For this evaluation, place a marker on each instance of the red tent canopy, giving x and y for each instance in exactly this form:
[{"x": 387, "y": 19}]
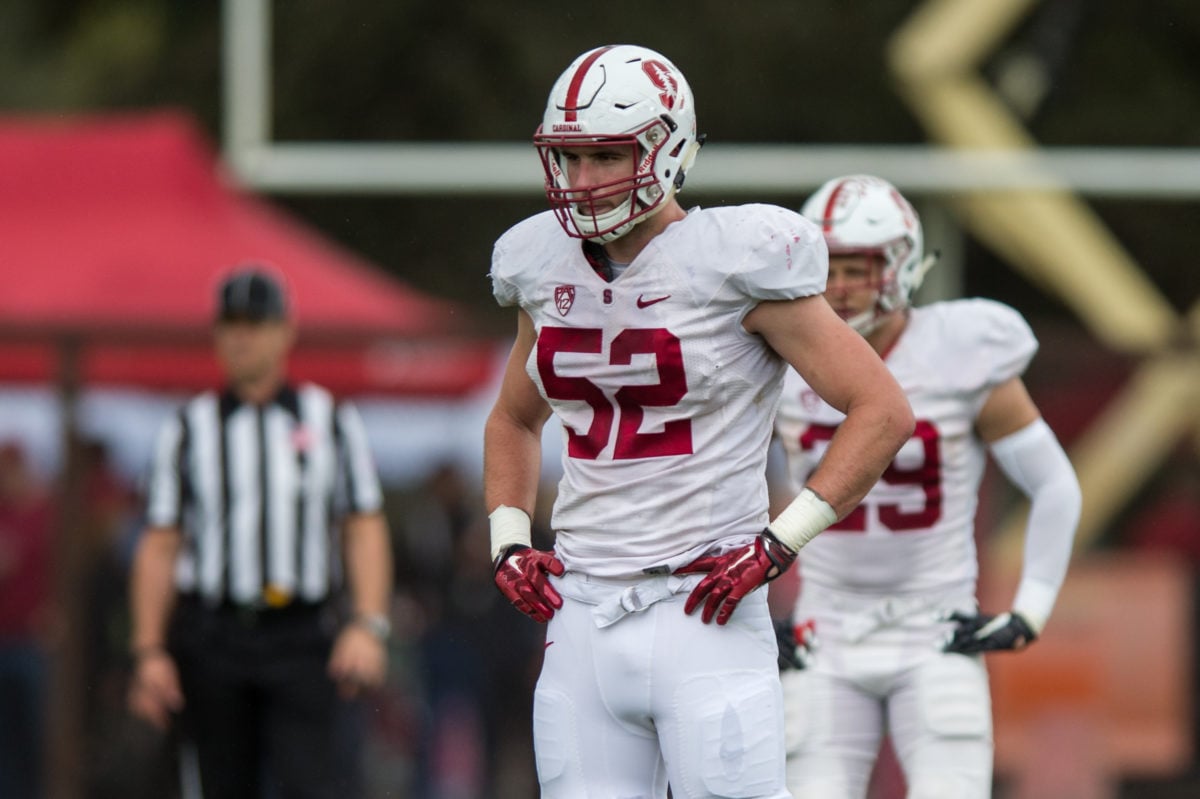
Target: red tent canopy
[{"x": 114, "y": 232}]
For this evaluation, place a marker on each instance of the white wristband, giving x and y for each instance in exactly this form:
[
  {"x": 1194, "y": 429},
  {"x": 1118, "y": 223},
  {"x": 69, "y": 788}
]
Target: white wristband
[
  {"x": 1034, "y": 601},
  {"x": 509, "y": 526},
  {"x": 802, "y": 520}
]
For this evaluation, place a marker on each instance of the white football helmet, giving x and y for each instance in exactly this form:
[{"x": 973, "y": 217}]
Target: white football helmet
[
  {"x": 866, "y": 215},
  {"x": 618, "y": 95}
]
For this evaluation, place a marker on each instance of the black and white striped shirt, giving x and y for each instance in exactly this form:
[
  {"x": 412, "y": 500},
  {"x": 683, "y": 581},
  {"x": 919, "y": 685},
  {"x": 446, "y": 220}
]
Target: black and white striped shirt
[{"x": 258, "y": 492}]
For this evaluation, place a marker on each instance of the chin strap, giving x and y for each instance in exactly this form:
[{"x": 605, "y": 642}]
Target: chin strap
[
  {"x": 923, "y": 268},
  {"x": 686, "y": 162}
]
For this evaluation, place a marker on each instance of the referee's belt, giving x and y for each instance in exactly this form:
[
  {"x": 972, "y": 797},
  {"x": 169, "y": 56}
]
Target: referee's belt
[{"x": 254, "y": 613}]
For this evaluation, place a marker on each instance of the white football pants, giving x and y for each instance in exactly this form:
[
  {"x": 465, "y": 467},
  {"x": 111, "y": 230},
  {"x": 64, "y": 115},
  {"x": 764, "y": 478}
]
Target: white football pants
[
  {"x": 634, "y": 694},
  {"x": 878, "y": 667}
]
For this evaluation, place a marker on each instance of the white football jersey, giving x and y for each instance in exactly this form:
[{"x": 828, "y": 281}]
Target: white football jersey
[
  {"x": 914, "y": 531},
  {"x": 666, "y": 400}
]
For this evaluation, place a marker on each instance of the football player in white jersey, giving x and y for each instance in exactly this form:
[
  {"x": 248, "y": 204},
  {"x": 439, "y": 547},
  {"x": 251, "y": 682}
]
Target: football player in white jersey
[
  {"x": 659, "y": 337},
  {"x": 888, "y": 592}
]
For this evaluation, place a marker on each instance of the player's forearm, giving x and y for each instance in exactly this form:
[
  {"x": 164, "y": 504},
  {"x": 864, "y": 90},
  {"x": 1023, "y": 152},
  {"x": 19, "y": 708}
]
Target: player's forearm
[
  {"x": 1035, "y": 462},
  {"x": 369, "y": 563},
  {"x": 152, "y": 589},
  {"x": 1050, "y": 532},
  {"x": 512, "y": 462},
  {"x": 865, "y": 443}
]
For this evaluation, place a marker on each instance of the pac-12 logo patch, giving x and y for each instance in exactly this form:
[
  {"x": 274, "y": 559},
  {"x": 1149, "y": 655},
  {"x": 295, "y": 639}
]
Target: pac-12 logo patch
[{"x": 564, "y": 298}]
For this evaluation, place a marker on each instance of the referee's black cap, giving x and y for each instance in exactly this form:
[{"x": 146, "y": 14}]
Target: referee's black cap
[{"x": 252, "y": 294}]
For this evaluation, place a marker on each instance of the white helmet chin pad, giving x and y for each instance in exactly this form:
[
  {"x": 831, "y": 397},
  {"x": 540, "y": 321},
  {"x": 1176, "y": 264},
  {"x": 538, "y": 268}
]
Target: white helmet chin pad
[
  {"x": 603, "y": 227},
  {"x": 618, "y": 96},
  {"x": 865, "y": 323},
  {"x": 610, "y": 225}
]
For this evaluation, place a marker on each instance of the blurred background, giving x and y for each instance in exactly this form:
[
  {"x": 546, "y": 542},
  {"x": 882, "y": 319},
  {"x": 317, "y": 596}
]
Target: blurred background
[{"x": 374, "y": 151}]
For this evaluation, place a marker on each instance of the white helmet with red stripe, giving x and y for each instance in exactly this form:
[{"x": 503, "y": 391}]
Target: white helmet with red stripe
[
  {"x": 613, "y": 96},
  {"x": 866, "y": 215}
]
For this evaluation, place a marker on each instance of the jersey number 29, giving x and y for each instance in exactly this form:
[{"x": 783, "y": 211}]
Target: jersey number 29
[{"x": 927, "y": 475}]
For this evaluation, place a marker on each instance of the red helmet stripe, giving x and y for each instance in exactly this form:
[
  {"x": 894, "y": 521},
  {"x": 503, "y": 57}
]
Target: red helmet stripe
[
  {"x": 577, "y": 81},
  {"x": 827, "y": 214}
]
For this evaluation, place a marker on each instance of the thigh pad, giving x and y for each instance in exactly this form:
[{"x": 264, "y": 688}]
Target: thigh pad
[{"x": 730, "y": 728}]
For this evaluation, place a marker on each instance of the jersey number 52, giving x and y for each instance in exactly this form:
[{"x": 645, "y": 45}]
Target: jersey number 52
[{"x": 627, "y": 406}]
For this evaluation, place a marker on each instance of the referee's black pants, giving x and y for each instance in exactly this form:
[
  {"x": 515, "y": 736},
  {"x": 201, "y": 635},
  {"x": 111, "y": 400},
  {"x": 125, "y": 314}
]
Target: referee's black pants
[{"x": 261, "y": 711}]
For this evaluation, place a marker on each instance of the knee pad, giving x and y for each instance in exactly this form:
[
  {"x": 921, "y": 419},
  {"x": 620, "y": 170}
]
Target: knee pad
[
  {"x": 954, "y": 757},
  {"x": 730, "y": 728},
  {"x": 948, "y": 786}
]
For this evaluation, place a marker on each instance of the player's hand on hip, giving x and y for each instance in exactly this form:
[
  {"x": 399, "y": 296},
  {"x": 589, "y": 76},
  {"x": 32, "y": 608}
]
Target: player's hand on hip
[
  {"x": 796, "y": 642},
  {"x": 734, "y": 574},
  {"x": 981, "y": 632},
  {"x": 523, "y": 575}
]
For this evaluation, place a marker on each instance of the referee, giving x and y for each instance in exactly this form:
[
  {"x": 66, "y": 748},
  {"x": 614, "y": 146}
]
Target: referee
[{"x": 260, "y": 588}]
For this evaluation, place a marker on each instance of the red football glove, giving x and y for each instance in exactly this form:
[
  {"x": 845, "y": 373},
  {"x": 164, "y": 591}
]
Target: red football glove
[
  {"x": 521, "y": 575},
  {"x": 734, "y": 574}
]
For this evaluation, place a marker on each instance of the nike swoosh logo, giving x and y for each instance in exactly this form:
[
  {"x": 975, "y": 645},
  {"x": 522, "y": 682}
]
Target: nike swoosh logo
[{"x": 647, "y": 303}]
